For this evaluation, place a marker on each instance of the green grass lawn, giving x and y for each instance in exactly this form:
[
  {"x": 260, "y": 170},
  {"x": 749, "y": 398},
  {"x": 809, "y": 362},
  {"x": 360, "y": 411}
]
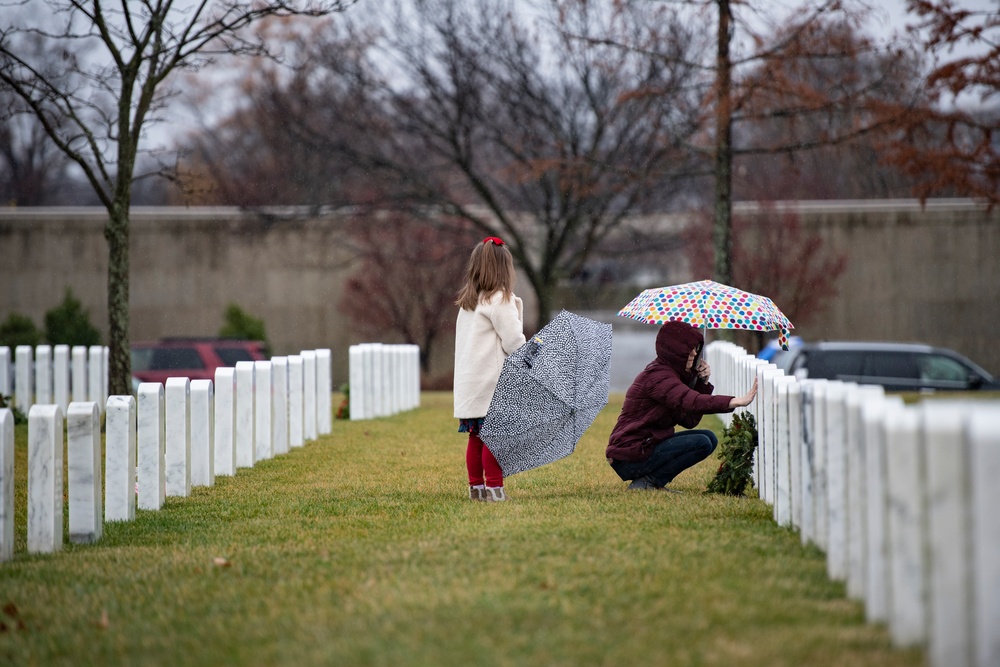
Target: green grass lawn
[{"x": 362, "y": 549}]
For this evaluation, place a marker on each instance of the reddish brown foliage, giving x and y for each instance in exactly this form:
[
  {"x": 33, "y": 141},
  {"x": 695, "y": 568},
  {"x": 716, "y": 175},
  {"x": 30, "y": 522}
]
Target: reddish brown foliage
[
  {"x": 952, "y": 148},
  {"x": 406, "y": 281},
  {"x": 774, "y": 256}
]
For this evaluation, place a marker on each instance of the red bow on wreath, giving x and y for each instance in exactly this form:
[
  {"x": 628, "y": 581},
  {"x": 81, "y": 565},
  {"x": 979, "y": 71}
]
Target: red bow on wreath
[{"x": 496, "y": 240}]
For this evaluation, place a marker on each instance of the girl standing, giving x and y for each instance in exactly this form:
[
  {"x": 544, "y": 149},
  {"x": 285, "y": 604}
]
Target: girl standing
[{"x": 490, "y": 327}]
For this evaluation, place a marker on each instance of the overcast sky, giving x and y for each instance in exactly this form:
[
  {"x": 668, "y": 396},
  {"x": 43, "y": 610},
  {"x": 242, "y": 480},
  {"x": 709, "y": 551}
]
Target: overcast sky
[{"x": 887, "y": 18}]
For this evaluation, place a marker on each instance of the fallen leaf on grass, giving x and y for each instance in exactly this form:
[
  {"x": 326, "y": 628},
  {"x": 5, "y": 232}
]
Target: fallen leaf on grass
[
  {"x": 103, "y": 622},
  {"x": 221, "y": 562}
]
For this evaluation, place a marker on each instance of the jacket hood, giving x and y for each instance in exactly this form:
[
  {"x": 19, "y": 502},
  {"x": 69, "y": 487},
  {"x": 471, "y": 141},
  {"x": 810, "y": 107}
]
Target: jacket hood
[{"x": 674, "y": 343}]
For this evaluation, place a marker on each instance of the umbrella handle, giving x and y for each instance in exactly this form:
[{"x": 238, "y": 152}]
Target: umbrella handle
[
  {"x": 694, "y": 369},
  {"x": 697, "y": 359},
  {"x": 534, "y": 347}
]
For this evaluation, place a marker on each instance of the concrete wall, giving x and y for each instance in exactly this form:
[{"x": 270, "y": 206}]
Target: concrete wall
[
  {"x": 187, "y": 265},
  {"x": 923, "y": 274}
]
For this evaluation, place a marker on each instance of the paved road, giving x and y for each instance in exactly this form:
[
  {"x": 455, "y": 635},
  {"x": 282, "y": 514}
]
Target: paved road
[{"x": 630, "y": 352}]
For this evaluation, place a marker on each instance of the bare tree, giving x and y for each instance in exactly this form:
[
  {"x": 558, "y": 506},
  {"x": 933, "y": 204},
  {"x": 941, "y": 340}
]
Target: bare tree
[
  {"x": 742, "y": 47},
  {"x": 950, "y": 144},
  {"x": 31, "y": 167},
  {"x": 776, "y": 257},
  {"x": 110, "y": 84},
  {"x": 465, "y": 110},
  {"x": 408, "y": 277},
  {"x": 797, "y": 79},
  {"x": 811, "y": 127}
]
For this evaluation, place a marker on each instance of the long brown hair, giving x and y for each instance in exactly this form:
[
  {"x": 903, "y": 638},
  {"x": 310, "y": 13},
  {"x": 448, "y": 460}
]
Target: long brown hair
[{"x": 490, "y": 268}]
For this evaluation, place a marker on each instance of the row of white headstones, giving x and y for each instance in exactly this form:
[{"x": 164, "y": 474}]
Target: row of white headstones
[
  {"x": 903, "y": 499},
  {"x": 159, "y": 443},
  {"x": 384, "y": 379},
  {"x": 56, "y": 374}
]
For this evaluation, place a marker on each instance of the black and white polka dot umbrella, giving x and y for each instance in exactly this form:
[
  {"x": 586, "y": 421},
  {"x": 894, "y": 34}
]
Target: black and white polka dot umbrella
[{"x": 550, "y": 391}]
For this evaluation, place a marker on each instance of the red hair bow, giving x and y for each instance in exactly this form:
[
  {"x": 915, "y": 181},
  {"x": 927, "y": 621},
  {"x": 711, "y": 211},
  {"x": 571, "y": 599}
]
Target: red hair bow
[{"x": 496, "y": 240}]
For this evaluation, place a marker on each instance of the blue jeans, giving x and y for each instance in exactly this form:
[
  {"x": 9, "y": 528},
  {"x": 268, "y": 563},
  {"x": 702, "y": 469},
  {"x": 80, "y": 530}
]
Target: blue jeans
[{"x": 671, "y": 457}]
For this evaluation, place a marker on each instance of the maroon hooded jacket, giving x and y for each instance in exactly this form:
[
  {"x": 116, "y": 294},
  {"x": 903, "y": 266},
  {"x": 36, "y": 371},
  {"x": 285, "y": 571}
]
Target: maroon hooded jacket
[{"x": 660, "y": 399}]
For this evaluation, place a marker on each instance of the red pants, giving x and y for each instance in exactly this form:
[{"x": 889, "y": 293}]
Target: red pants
[{"x": 479, "y": 460}]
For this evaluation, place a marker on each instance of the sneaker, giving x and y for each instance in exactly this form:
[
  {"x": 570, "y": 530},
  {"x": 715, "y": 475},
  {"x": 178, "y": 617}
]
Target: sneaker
[
  {"x": 494, "y": 494},
  {"x": 647, "y": 483},
  {"x": 477, "y": 494}
]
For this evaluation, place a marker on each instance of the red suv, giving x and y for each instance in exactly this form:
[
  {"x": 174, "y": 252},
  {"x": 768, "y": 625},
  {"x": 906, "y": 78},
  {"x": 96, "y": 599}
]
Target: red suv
[{"x": 194, "y": 358}]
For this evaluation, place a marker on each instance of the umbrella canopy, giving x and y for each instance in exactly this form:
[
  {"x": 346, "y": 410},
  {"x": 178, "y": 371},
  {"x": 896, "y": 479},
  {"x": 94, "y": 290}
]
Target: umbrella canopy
[
  {"x": 708, "y": 305},
  {"x": 549, "y": 392}
]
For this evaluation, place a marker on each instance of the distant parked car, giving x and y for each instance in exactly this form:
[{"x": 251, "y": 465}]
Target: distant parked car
[
  {"x": 772, "y": 351},
  {"x": 194, "y": 358},
  {"x": 895, "y": 366}
]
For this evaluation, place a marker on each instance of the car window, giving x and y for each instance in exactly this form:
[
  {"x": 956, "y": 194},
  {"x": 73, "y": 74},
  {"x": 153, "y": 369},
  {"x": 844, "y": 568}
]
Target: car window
[
  {"x": 175, "y": 358},
  {"x": 891, "y": 365},
  {"x": 834, "y": 364},
  {"x": 141, "y": 359},
  {"x": 230, "y": 355},
  {"x": 940, "y": 367}
]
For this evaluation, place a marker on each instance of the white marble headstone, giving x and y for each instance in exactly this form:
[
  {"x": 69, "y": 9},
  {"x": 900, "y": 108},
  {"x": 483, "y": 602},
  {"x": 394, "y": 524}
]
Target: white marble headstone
[
  {"x": 45, "y": 479},
  {"x": 874, "y": 416},
  {"x": 984, "y": 454},
  {"x": 60, "y": 376},
  {"x": 177, "y": 424},
  {"x": 356, "y": 379},
  {"x": 43, "y": 374},
  {"x": 263, "y": 377},
  {"x": 120, "y": 459},
  {"x": 807, "y": 454},
  {"x": 857, "y": 488},
  {"x": 83, "y": 463},
  {"x": 5, "y": 368},
  {"x": 6, "y": 484},
  {"x": 225, "y": 421},
  {"x": 279, "y": 366},
  {"x": 245, "y": 418},
  {"x": 296, "y": 421},
  {"x": 24, "y": 377},
  {"x": 309, "y": 395},
  {"x": 836, "y": 480},
  {"x": 948, "y": 532},
  {"x": 372, "y": 384},
  {"x": 150, "y": 472},
  {"x": 907, "y": 520},
  {"x": 78, "y": 376},
  {"x": 105, "y": 377},
  {"x": 819, "y": 472},
  {"x": 415, "y": 367},
  {"x": 95, "y": 374},
  {"x": 782, "y": 476},
  {"x": 202, "y": 433},
  {"x": 324, "y": 391},
  {"x": 794, "y": 389},
  {"x": 391, "y": 369}
]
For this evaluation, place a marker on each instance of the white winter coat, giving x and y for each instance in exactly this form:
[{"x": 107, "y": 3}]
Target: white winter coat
[{"x": 484, "y": 337}]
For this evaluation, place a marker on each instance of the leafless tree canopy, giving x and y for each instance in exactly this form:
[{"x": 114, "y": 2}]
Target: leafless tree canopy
[
  {"x": 94, "y": 76},
  {"x": 504, "y": 119}
]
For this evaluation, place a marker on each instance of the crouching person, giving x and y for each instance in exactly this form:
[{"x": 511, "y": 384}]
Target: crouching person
[{"x": 673, "y": 390}]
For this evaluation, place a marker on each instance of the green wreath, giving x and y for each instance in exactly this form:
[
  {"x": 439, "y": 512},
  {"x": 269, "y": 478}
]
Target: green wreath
[{"x": 739, "y": 440}]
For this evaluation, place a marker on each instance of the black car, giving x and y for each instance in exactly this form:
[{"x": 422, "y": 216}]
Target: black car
[{"x": 895, "y": 366}]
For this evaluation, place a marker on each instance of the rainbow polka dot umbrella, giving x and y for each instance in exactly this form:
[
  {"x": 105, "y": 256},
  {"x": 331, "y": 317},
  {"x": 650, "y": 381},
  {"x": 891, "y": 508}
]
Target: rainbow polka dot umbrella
[{"x": 708, "y": 305}]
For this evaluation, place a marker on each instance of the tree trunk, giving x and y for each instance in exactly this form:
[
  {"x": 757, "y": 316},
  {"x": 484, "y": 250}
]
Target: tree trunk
[
  {"x": 723, "y": 152},
  {"x": 543, "y": 293},
  {"x": 119, "y": 362}
]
